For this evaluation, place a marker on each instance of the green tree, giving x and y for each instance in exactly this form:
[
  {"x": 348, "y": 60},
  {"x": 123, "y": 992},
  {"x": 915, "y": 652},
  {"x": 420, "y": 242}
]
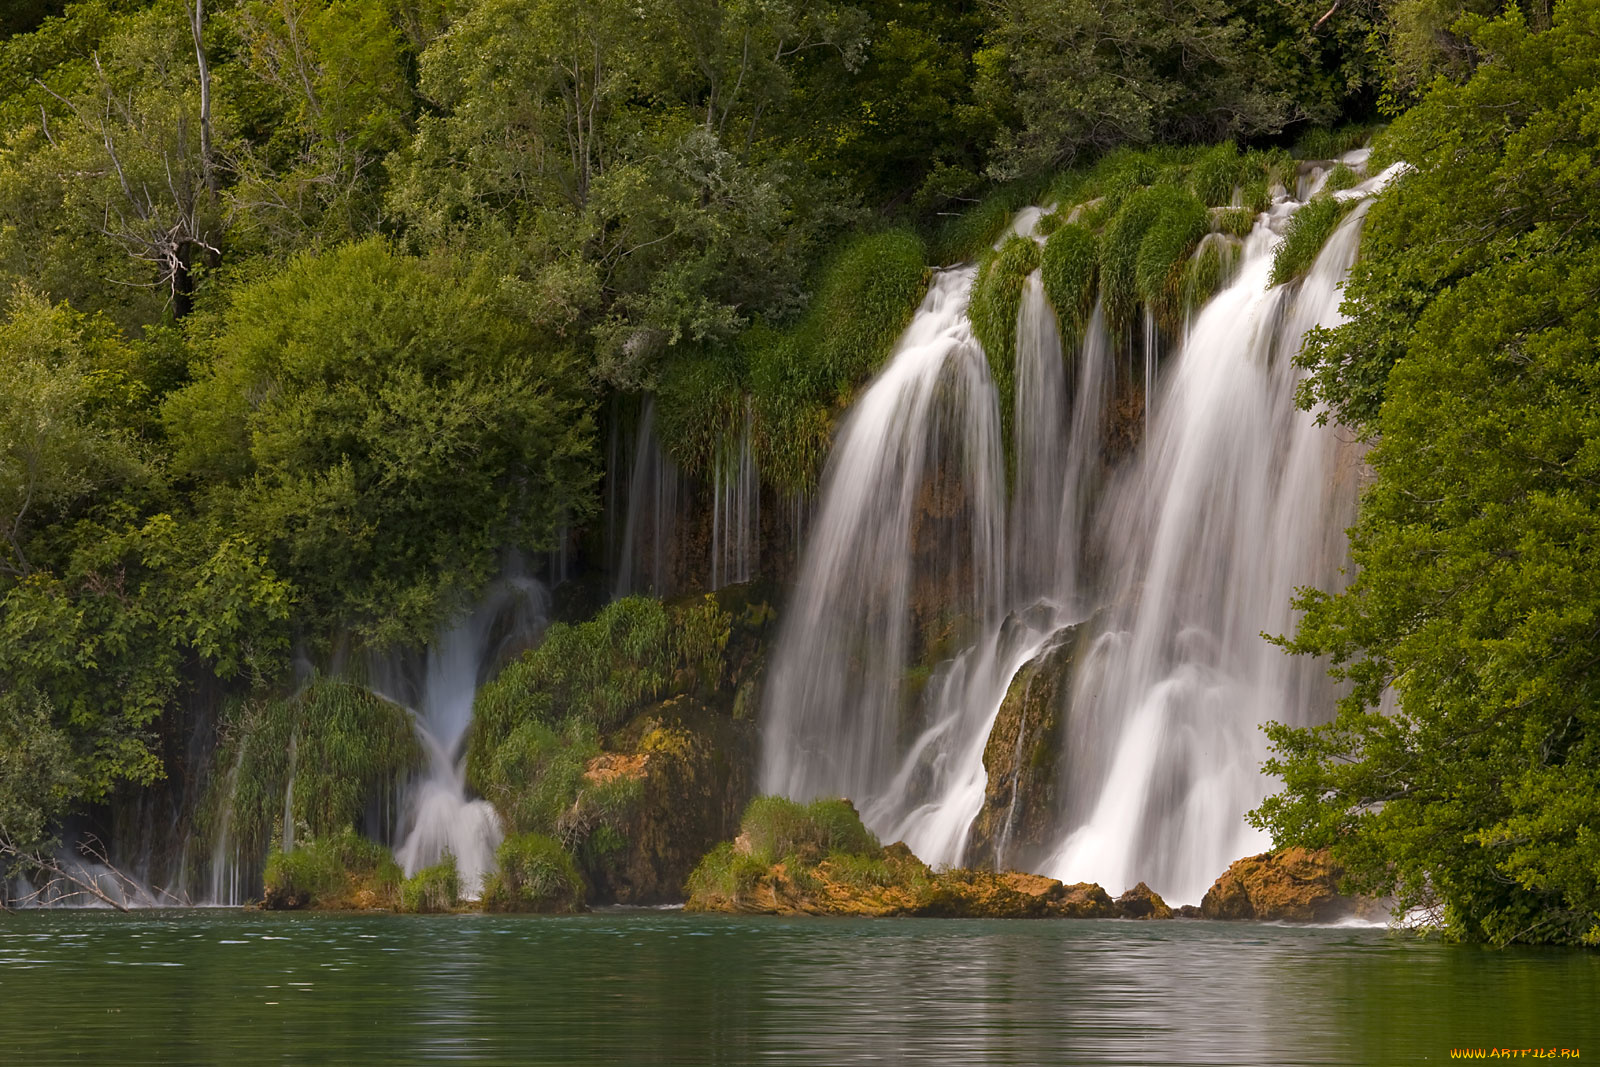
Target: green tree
[
  {"x": 386, "y": 430},
  {"x": 1462, "y": 771}
]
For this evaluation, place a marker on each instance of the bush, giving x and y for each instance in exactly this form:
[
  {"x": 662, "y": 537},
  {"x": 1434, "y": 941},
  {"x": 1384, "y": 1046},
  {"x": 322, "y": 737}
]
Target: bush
[
  {"x": 331, "y": 871},
  {"x": 1068, "y": 268},
  {"x": 1308, "y": 231},
  {"x": 535, "y": 774},
  {"x": 1206, "y": 273},
  {"x": 432, "y": 889},
  {"x": 536, "y": 874},
  {"x": 699, "y": 406},
  {"x": 779, "y": 828},
  {"x": 726, "y": 872}
]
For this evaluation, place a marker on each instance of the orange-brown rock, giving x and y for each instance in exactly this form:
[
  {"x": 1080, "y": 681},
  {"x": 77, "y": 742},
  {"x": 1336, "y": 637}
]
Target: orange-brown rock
[
  {"x": 1289, "y": 885},
  {"x": 1142, "y": 902}
]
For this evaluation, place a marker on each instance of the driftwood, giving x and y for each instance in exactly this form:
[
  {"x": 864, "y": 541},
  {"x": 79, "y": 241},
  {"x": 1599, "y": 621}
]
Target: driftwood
[{"x": 80, "y": 885}]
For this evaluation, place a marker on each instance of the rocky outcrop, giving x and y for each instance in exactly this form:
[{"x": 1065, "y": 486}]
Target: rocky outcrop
[
  {"x": 1142, "y": 902},
  {"x": 1289, "y": 885},
  {"x": 692, "y": 772},
  {"x": 1016, "y": 821}
]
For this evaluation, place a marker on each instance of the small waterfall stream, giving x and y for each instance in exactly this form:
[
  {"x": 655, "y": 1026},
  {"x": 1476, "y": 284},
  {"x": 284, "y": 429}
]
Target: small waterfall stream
[
  {"x": 1184, "y": 554},
  {"x": 439, "y": 814}
]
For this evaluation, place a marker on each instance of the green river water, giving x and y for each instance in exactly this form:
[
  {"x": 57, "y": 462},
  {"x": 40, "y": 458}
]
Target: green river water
[{"x": 663, "y": 987}]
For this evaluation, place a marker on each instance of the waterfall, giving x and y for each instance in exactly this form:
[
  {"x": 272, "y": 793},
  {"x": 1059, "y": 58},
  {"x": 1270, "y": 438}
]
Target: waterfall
[
  {"x": 439, "y": 814},
  {"x": 1182, "y": 554},
  {"x": 917, "y": 471},
  {"x": 645, "y": 564},
  {"x": 736, "y": 509}
]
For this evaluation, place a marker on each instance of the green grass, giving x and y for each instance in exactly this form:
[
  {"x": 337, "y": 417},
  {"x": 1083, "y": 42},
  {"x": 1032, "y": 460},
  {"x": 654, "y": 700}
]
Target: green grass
[
  {"x": 1214, "y": 176},
  {"x": 996, "y": 298},
  {"x": 1068, "y": 267},
  {"x": 1340, "y": 179},
  {"x": 1163, "y": 253},
  {"x": 1331, "y": 143},
  {"x": 432, "y": 889},
  {"x": 1205, "y": 273},
  {"x": 779, "y": 828},
  {"x": 1308, "y": 231},
  {"x": 535, "y": 874},
  {"x": 726, "y": 872},
  {"x": 1236, "y": 221},
  {"x": 797, "y": 376},
  {"x": 341, "y": 744}
]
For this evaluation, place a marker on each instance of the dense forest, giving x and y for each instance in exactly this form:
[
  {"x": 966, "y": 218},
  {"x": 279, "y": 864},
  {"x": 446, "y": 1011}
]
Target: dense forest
[{"x": 312, "y": 312}]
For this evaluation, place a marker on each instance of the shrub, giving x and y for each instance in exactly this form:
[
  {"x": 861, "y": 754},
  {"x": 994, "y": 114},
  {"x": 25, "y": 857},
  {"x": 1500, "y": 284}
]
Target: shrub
[
  {"x": 535, "y": 874},
  {"x": 778, "y": 828},
  {"x": 330, "y": 871},
  {"x": 432, "y": 889},
  {"x": 1068, "y": 268},
  {"x": 1308, "y": 231},
  {"x": 699, "y": 406}
]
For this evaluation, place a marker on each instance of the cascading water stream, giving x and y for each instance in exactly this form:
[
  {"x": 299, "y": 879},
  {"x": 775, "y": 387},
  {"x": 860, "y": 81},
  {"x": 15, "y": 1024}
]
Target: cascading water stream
[
  {"x": 919, "y": 454},
  {"x": 1193, "y": 547},
  {"x": 440, "y": 815}
]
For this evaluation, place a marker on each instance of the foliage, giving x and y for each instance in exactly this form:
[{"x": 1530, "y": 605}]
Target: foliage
[
  {"x": 996, "y": 298},
  {"x": 334, "y": 870},
  {"x": 1142, "y": 245},
  {"x": 387, "y": 431},
  {"x": 778, "y": 828},
  {"x": 1068, "y": 267},
  {"x": 432, "y": 889},
  {"x": 1216, "y": 173},
  {"x": 338, "y": 743},
  {"x": 535, "y": 874},
  {"x": 38, "y": 778},
  {"x": 1163, "y": 255},
  {"x": 1503, "y": 157},
  {"x": 1462, "y": 770},
  {"x": 1322, "y": 142},
  {"x": 1309, "y": 229},
  {"x": 865, "y": 299},
  {"x": 1082, "y": 78},
  {"x": 1340, "y": 178},
  {"x": 537, "y": 725}
]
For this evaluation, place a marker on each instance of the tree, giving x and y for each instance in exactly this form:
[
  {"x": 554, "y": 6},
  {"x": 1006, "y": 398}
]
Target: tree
[
  {"x": 385, "y": 430},
  {"x": 1462, "y": 771}
]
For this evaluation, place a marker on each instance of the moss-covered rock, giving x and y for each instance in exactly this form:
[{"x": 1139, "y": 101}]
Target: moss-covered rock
[
  {"x": 1289, "y": 885},
  {"x": 1017, "y": 818}
]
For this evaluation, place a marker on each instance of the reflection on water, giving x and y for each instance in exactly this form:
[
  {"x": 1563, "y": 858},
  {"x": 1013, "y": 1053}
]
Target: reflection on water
[{"x": 669, "y": 988}]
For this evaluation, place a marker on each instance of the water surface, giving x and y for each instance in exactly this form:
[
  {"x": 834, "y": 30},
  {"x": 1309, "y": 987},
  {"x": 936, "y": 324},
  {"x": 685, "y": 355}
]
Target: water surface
[{"x": 230, "y": 987}]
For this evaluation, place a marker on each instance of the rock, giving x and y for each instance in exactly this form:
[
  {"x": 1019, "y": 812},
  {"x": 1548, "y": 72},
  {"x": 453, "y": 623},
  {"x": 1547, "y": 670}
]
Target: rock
[
  {"x": 1142, "y": 902},
  {"x": 1187, "y": 911},
  {"x": 1024, "y": 748},
  {"x": 1289, "y": 885},
  {"x": 694, "y": 767}
]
